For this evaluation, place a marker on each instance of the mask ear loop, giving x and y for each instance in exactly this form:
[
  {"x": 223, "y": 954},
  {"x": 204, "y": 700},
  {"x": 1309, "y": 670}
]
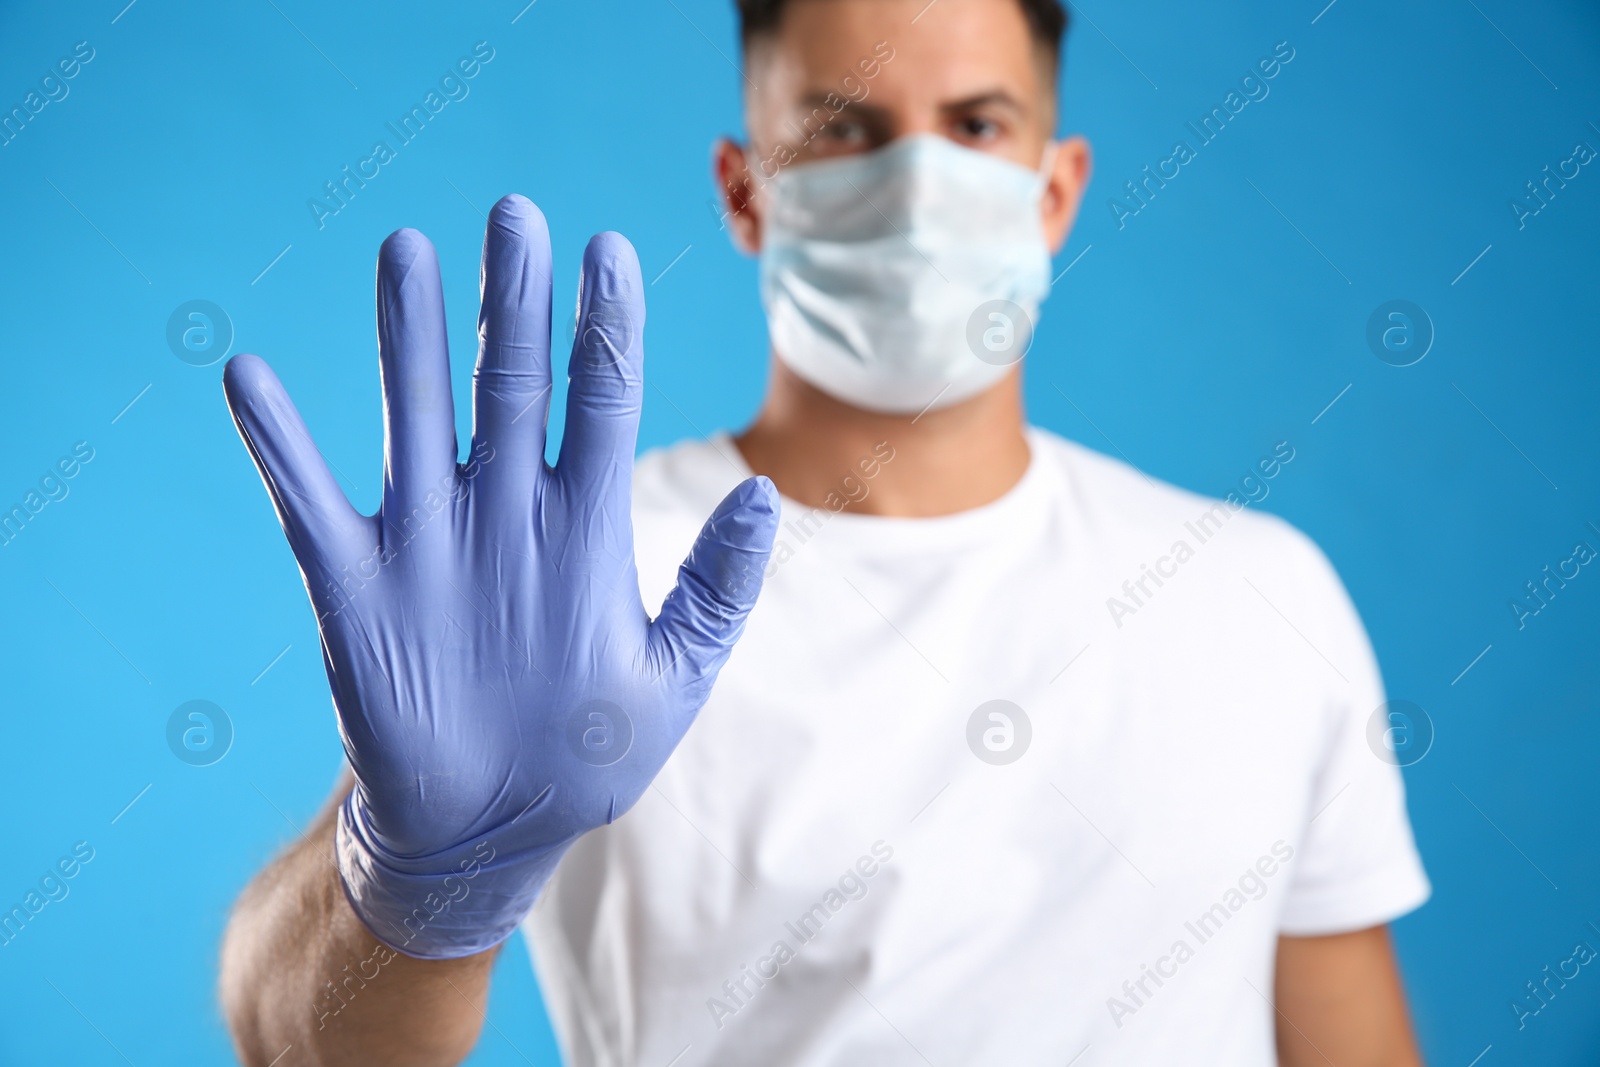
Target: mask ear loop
[{"x": 1047, "y": 165}]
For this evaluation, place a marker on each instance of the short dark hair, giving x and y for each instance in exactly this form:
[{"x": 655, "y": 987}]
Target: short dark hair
[{"x": 1047, "y": 21}]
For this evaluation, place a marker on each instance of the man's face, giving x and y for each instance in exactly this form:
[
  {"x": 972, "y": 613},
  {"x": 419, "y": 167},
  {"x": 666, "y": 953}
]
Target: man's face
[{"x": 843, "y": 77}]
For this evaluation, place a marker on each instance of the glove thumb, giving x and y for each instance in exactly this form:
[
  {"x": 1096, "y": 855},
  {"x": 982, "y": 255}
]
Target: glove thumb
[{"x": 717, "y": 586}]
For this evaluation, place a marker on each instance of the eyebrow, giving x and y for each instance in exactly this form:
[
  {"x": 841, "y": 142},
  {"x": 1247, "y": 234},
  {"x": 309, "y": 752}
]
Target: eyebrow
[
  {"x": 997, "y": 97},
  {"x": 993, "y": 96},
  {"x": 820, "y": 99}
]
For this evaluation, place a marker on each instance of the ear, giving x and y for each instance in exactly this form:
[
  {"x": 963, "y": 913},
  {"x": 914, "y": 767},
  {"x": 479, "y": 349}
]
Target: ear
[
  {"x": 1063, "y": 192},
  {"x": 732, "y": 172}
]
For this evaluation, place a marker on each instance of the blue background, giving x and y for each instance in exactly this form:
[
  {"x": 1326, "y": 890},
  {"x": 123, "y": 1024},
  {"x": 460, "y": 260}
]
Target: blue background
[{"x": 1192, "y": 339}]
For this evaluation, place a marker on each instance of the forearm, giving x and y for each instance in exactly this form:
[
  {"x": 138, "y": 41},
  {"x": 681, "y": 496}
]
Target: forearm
[{"x": 305, "y": 984}]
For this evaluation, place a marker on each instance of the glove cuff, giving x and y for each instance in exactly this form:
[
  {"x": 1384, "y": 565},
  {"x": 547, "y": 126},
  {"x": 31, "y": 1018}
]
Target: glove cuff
[{"x": 447, "y": 905}]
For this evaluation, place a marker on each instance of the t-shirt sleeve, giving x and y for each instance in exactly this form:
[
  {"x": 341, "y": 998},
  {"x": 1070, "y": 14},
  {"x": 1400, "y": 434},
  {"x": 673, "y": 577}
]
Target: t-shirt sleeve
[{"x": 1357, "y": 864}]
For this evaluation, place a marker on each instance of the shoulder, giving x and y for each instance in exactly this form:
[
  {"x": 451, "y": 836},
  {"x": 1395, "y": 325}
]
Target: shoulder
[{"x": 1140, "y": 520}]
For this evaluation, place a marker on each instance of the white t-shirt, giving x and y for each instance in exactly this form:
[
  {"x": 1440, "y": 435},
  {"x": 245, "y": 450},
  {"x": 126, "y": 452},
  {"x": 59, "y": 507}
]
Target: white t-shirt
[{"x": 838, "y": 866}]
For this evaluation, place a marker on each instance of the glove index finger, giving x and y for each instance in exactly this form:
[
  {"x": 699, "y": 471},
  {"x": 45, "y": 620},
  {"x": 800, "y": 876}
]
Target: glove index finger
[{"x": 318, "y": 519}]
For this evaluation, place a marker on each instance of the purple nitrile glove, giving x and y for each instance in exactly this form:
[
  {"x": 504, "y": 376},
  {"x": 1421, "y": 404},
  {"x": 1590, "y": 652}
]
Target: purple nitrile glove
[{"x": 500, "y": 688}]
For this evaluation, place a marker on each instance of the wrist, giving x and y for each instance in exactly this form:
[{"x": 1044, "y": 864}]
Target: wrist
[{"x": 457, "y": 902}]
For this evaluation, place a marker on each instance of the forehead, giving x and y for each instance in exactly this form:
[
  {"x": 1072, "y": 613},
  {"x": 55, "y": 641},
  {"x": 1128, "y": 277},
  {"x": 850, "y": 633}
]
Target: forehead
[{"x": 946, "y": 50}]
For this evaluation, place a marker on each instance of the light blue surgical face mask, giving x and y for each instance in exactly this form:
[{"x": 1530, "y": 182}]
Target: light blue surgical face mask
[{"x": 906, "y": 278}]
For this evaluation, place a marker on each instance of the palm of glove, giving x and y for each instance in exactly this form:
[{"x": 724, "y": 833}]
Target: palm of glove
[{"x": 497, "y": 679}]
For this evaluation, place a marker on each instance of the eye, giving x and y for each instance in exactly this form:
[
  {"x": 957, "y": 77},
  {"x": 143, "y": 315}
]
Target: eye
[
  {"x": 841, "y": 135},
  {"x": 844, "y": 131},
  {"x": 977, "y": 129}
]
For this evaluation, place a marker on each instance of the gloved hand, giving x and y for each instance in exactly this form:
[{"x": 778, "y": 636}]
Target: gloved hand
[{"x": 500, "y": 688}]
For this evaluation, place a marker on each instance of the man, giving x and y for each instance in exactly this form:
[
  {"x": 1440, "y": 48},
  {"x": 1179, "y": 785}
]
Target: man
[{"x": 1023, "y": 758}]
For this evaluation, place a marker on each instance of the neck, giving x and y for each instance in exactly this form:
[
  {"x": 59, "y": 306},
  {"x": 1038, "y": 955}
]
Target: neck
[{"x": 818, "y": 450}]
